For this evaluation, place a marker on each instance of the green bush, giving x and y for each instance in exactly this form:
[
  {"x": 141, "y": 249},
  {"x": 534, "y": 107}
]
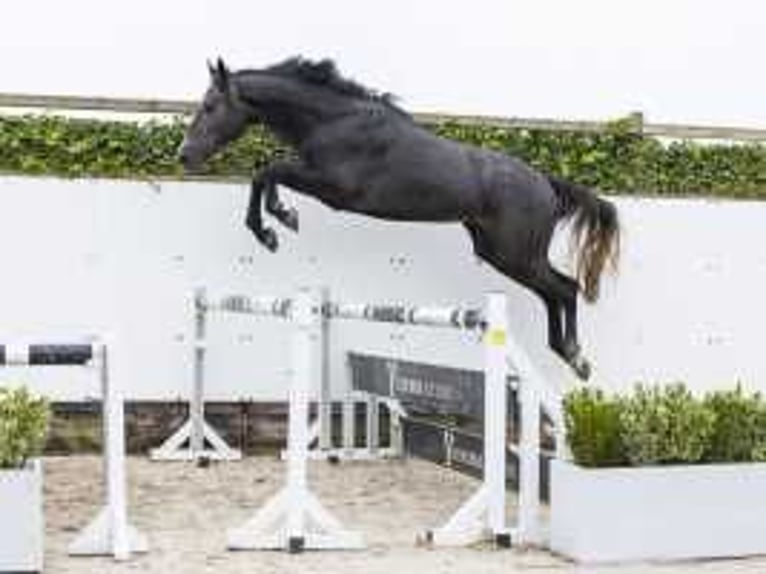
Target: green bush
[
  {"x": 617, "y": 160},
  {"x": 665, "y": 425},
  {"x": 23, "y": 426},
  {"x": 739, "y": 433},
  {"x": 593, "y": 431}
]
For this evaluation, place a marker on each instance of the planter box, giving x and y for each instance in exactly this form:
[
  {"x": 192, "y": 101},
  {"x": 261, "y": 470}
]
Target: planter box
[
  {"x": 658, "y": 513},
  {"x": 21, "y": 519}
]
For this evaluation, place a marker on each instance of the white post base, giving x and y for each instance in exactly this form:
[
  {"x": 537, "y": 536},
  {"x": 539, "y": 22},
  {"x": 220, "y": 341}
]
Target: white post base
[
  {"x": 101, "y": 538},
  {"x": 173, "y": 448},
  {"x": 267, "y": 530},
  {"x": 469, "y": 525}
]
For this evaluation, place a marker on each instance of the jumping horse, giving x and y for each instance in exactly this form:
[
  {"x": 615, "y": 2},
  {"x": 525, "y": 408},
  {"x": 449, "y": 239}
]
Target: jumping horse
[{"x": 355, "y": 150}]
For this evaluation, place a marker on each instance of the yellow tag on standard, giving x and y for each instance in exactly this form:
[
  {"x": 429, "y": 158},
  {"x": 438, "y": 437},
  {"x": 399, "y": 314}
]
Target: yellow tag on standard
[{"x": 496, "y": 337}]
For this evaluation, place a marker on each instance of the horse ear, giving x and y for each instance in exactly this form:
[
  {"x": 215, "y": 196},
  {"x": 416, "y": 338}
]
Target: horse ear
[
  {"x": 219, "y": 75},
  {"x": 223, "y": 75}
]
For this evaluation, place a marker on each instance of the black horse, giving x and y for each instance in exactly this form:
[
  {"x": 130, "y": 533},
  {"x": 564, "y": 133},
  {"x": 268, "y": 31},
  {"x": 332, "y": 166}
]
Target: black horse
[{"x": 357, "y": 151}]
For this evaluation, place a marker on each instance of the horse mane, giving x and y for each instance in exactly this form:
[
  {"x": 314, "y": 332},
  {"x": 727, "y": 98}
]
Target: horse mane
[{"x": 325, "y": 73}]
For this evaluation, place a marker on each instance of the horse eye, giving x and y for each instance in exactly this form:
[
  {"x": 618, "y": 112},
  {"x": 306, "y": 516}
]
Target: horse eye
[{"x": 207, "y": 107}]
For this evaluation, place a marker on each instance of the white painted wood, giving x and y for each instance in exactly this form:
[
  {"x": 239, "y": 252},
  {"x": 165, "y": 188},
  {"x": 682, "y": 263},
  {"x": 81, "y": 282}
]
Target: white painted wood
[
  {"x": 123, "y": 255},
  {"x": 294, "y": 519},
  {"x": 658, "y": 513},
  {"x": 22, "y": 528},
  {"x": 110, "y": 532},
  {"x": 482, "y": 517},
  {"x": 196, "y": 440}
]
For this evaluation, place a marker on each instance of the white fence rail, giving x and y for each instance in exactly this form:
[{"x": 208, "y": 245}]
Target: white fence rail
[{"x": 183, "y": 107}]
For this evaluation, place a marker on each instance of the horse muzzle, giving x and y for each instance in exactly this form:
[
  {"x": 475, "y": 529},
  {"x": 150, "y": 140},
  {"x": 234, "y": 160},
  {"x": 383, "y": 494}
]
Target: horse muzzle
[{"x": 190, "y": 158}]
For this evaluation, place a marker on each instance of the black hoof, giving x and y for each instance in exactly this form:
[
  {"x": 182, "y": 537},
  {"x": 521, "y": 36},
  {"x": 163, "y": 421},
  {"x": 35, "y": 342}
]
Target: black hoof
[
  {"x": 268, "y": 239},
  {"x": 581, "y": 367},
  {"x": 289, "y": 219}
]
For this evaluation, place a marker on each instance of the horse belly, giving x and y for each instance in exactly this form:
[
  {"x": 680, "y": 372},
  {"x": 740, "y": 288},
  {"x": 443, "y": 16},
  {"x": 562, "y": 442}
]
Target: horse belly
[{"x": 421, "y": 186}]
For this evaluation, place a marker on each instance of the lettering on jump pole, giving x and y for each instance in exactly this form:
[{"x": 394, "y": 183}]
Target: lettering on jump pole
[{"x": 421, "y": 387}]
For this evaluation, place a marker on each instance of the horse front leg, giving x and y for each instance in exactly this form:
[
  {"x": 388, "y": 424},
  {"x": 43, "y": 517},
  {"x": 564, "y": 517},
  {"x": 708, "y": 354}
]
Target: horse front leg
[
  {"x": 254, "y": 219},
  {"x": 299, "y": 178},
  {"x": 287, "y": 216}
]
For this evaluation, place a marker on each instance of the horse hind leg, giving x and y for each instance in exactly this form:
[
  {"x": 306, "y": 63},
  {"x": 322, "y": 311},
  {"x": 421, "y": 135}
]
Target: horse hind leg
[
  {"x": 552, "y": 285},
  {"x": 557, "y": 291},
  {"x": 485, "y": 250}
]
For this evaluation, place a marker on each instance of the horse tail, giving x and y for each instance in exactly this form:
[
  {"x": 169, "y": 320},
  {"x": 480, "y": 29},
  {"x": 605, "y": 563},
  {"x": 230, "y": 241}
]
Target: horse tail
[{"x": 595, "y": 232}]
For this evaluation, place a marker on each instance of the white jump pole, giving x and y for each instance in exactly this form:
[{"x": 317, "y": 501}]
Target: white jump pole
[
  {"x": 482, "y": 517},
  {"x": 324, "y": 404},
  {"x": 531, "y": 384},
  {"x": 197, "y": 404},
  {"x": 294, "y": 519},
  {"x": 110, "y": 533},
  {"x": 298, "y": 427}
]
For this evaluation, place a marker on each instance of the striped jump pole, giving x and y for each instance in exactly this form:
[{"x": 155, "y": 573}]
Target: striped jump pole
[
  {"x": 453, "y": 317},
  {"x": 109, "y": 533}
]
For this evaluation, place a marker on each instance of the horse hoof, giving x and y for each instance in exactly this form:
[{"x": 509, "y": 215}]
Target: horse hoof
[
  {"x": 268, "y": 239},
  {"x": 581, "y": 367},
  {"x": 290, "y": 219}
]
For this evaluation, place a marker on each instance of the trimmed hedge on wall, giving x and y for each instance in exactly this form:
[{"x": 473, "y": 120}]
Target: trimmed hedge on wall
[
  {"x": 617, "y": 160},
  {"x": 664, "y": 424}
]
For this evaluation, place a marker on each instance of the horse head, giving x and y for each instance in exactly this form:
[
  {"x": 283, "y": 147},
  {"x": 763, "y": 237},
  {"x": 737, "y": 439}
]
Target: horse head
[{"x": 221, "y": 118}]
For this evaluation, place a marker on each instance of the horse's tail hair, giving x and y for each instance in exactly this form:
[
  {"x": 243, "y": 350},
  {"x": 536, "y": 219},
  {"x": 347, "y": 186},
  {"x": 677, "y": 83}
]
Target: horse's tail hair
[{"x": 595, "y": 232}]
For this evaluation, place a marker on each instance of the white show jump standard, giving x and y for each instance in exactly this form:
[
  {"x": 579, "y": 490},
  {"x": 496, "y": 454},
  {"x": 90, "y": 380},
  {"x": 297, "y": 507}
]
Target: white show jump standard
[
  {"x": 320, "y": 429},
  {"x": 190, "y": 442},
  {"x": 283, "y": 523},
  {"x": 294, "y": 519},
  {"x": 109, "y": 533},
  {"x": 481, "y": 517}
]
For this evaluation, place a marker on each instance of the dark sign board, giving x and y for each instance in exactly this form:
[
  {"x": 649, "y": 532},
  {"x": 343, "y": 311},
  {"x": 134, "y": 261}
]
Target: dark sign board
[
  {"x": 462, "y": 451},
  {"x": 421, "y": 387}
]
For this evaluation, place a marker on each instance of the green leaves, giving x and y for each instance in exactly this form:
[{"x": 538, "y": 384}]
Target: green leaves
[
  {"x": 740, "y": 426},
  {"x": 23, "y": 426},
  {"x": 593, "y": 429},
  {"x": 621, "y": 161},
  {"x": 617, "y": 160},
  {"x": 664, "y": 424},
  {"x": 68, "y": 147}
]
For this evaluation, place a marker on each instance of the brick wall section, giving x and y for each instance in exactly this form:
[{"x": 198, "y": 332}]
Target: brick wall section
[
  {"x": 255, "y": 428},
  {"x": 252, "y": 427}
]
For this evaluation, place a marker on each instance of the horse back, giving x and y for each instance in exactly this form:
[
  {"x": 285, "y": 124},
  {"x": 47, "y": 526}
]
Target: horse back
[{"x": 386, "y": 165}]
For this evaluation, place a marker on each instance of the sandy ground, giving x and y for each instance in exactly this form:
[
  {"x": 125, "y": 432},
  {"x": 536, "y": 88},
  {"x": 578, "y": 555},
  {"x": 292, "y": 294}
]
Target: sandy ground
[{"x": 185, "y": 511}]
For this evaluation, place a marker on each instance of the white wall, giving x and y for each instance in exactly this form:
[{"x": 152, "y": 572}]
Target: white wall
[
  {"x": 679, "y": 60},
  {"x": 123, "y": 257}
]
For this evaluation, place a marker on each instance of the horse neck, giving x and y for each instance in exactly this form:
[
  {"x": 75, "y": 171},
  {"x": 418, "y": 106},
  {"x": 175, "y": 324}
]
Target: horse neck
[{"x": 289, "y": 108}]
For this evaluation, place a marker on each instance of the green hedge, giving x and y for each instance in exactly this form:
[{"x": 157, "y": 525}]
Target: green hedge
[
  {"x": 664, "y": 424},
  {"x": 617, "y": 160},
  {"x": 23, "y": 426}
]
